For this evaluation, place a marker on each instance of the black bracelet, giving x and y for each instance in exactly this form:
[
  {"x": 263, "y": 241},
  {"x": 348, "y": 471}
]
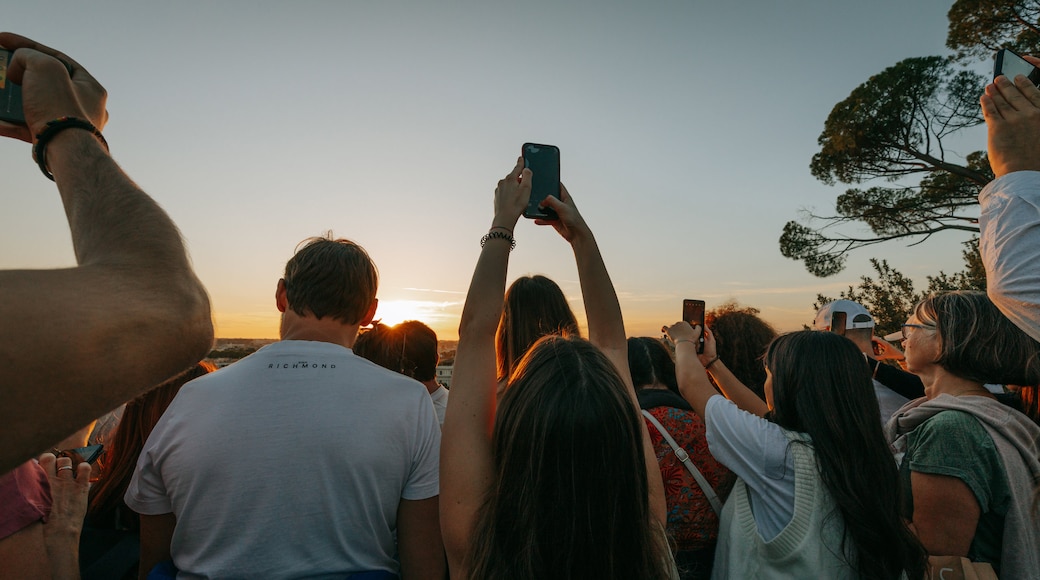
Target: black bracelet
[
  {"x": 51, "y": 130},
  {"x": 496, "y": 234}
]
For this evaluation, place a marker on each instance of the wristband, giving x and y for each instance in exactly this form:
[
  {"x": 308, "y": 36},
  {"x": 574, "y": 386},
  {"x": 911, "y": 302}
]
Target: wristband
[
  {"x": 51, "y": 130},
  {"x": 496, "y": 234},
  {"x": 711, "y": 362}
]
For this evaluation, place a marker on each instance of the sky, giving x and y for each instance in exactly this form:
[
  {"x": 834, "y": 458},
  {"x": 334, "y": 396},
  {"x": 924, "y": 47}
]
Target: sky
[{"x": 686, "y": 129}]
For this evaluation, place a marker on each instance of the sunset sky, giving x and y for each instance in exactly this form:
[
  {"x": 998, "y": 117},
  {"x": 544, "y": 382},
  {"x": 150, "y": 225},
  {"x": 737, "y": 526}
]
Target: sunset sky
[{"x": 685, "y": 128}]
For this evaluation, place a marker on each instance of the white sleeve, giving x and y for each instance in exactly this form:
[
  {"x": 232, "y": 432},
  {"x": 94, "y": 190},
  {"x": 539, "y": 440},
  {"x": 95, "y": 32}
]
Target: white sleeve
[
  {"x": 757, "y": 451},
  {"x": 1009, "y": 242}
]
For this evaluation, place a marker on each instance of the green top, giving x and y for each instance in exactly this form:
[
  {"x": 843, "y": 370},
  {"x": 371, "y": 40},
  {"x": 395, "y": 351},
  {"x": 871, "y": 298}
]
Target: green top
[{"x": 955, "y": 444}]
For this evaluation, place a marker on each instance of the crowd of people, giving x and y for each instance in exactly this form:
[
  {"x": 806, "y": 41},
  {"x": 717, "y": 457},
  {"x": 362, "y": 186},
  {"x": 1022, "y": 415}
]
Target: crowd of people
[{"x": 725, "y": 451}]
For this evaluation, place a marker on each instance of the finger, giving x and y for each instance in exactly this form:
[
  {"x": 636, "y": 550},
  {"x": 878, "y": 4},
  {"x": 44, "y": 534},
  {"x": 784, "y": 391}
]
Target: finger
[
  {"x": 20, "y": 132},
  {"x": 13, "y": 42},
  {"x": 1012, "y": 95},
  {"x": 1032, "y": 60},
  {"x": 47, "y": 462},
  {"x": 517, "y": 169},
  {"x": 83, "y": 472},
  {"x": 997, "y": 104}
]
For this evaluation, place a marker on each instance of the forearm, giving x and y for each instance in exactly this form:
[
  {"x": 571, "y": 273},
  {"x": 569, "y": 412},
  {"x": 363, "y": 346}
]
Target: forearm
[
  {"x": 736, "y": 391},
  {"x": 63, "y": 555},
  {"x": 606, "y": 324},
  {"x": 694, "y": 385}
]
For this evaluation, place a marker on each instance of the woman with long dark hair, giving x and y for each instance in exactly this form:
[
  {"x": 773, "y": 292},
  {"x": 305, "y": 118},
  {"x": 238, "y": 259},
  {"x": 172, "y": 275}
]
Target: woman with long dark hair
[
  {"x": 968, "y": 462},
  {"x": 818, "y": 494},
  {"x": 560, "y": 480}
]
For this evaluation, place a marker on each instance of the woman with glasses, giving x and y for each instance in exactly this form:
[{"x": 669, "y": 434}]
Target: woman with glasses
[{"x": 969, "y": 463}]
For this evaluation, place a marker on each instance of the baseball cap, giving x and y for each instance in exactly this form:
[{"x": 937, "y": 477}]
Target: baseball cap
[{"x": 856, "y": 316}]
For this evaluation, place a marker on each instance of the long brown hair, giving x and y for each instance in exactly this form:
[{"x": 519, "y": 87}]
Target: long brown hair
[
  {"x": 534, "y": 307},
  {"x": 569, "y": 496},
  {"x": 119, "y": 459}
]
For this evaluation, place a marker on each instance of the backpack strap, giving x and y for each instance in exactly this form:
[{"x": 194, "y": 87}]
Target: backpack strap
[{"x": 683, "y": 456}]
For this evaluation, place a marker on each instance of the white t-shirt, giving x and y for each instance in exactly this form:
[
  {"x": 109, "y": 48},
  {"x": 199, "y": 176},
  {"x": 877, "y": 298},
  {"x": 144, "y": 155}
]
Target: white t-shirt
[
  {"x": 289, "y": 463},
  {"x": 757, "y": 451},
  {"x": 440, "y": 402}
]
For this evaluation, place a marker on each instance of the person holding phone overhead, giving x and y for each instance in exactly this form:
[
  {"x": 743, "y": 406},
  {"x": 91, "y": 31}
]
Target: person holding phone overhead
[
  {"x": 132, "y": 297},
  {"x": 529, "y": 472},
  {"x": 818, "y": 494}
]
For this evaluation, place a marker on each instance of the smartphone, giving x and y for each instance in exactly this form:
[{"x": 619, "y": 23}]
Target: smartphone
[
  {"x": 693, "y": 312},
  {"x": 89, "y": 454},
  {"x": 1009, "y": 64},
  {"x": 838, "y": 320},
  {"x": 10, "y": 93},
  {"x": 544, "y": 163}
]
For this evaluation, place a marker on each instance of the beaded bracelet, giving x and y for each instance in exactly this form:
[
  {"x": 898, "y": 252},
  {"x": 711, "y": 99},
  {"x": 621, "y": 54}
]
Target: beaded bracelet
[
  {"x": 51, "y": 130},
  {"x": 495, "y": 234}
]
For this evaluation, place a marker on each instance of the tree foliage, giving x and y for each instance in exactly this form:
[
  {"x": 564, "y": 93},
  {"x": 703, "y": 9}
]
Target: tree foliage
[
  {"x": 891, "y": 129},
  {"x": 978, "y": 28}
]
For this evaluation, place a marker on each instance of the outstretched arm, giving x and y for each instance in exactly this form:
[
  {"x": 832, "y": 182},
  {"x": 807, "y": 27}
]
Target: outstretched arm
[
  {"x": 132, "y": 298},
  {"x": 606, "y": 325},
  {"x": 466, "y": 462},
  {"x": 1009, "y": 222}
]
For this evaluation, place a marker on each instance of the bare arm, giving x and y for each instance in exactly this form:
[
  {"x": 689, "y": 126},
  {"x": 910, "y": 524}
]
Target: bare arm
[
  {"x": 606, "y": 325},
  {"x": 466, "y": 462},
  {"x": 133, "y": 296},
  {"x": 946, "y": 513},
  {"x": 419, "y": 540},
  {"x": 23, "y": 554},
  {"x": 156, "y": 536}
]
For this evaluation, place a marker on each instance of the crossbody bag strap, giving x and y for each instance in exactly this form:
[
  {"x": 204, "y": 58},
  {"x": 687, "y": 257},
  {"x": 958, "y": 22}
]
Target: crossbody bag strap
[{"x": 683, "y": 456}]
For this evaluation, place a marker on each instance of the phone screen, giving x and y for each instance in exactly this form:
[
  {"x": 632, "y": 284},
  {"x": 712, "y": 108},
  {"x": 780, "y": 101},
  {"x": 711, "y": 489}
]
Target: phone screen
[
  {"x": 1009, "y": 64},
  {"x": 838, "y": 320},
  {"x": 693, "y": 312},
  {"x": 544, "y": 163}
]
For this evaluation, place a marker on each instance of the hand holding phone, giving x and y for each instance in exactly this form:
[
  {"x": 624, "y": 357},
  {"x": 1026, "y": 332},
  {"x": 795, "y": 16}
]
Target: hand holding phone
[
  {"x": 839, "y": 322},
  {"x": 544, "y": 163},
  {"x": 1008, "y": 63},
  {"x": 693, "y": 313}
]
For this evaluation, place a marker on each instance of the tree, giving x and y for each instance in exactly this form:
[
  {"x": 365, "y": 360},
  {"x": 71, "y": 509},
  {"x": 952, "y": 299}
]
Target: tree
[
  {"x": 978, "y": 28},
  {"x": 891, "y": 128},
  {"x": 890, "y": 297}
]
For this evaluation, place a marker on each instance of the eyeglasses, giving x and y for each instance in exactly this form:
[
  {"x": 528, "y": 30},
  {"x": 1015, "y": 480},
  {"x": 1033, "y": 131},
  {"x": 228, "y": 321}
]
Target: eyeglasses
[{"x": 923, "y": 326}]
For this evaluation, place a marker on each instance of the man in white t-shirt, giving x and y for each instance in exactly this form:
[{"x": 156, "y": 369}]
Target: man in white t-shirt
[{"x": 301, "y": 460}]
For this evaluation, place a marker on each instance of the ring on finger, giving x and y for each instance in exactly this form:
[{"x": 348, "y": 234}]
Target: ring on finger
[{"x": 63, "y": 467}]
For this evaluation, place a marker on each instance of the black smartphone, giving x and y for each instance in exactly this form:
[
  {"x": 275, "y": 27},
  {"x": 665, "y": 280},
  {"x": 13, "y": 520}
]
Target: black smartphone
[
  {"x": 1009, "y": 64},
  {"x": 838, "y": 320},
  {"x": 693, "y": 312},
  {"x": 10, "y": 93},
  {"x": 89, "y": 454},
  {"x": 544, "y": 163}
]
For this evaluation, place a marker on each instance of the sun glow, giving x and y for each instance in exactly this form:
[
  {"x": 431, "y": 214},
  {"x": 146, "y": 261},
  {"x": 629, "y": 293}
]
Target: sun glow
[{"x": 392, "y": 312}]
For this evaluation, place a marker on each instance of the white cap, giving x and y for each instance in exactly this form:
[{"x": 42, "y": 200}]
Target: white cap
[{"x": 856, "y": 316}]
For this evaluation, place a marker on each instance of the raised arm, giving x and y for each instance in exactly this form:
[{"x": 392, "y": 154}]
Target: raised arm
[
  {"x": 693, "y": 381},
  {"x": 606, "y": 325},
  {"x": 133, "y": 298},
  {"x": 466, "y": 462},
  {"x": 1009, "y": 221}
]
